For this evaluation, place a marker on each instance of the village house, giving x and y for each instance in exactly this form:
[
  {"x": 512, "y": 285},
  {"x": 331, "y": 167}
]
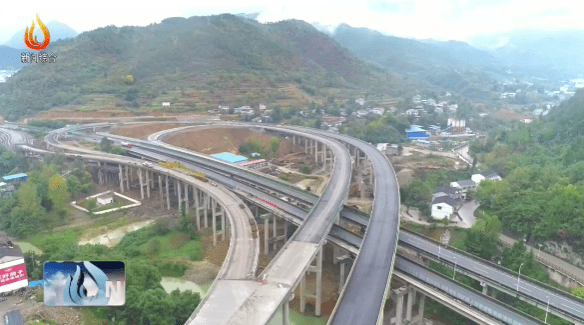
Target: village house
[{"x": 487, "y": 174}]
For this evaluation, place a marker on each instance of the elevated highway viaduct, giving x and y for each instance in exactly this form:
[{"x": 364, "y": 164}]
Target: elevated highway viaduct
[{"x": 522, "y": 279}]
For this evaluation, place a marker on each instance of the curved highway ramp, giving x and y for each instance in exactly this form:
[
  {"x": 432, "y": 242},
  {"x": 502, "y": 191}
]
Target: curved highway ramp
[{"x": 255, "y": 302}]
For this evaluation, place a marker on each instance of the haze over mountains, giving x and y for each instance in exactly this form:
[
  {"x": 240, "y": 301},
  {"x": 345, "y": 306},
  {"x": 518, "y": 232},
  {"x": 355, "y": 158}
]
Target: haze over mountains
[{"x": 544, "y": 53}]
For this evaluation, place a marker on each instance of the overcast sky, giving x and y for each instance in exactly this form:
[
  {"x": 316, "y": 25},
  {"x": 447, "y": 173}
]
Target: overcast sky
[{"x": 438, "y": 19}]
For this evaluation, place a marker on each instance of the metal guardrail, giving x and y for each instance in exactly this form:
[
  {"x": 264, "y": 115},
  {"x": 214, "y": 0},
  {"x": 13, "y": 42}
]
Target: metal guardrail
[
  {"x": 496, "y": 266},
  {"x": 551, "y": 265}
]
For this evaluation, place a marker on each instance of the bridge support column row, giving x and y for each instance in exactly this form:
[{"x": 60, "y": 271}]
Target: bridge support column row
[
  {"x": 411, "y": 293},
  {"x": 318, "y": 294}
]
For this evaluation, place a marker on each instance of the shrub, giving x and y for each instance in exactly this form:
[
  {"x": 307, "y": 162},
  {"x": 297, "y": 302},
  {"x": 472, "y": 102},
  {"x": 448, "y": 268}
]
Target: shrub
[
  {"x": 161, "y": 227},
  {"x": 196, "y": 252},
  {"x": 179, "y": 240},
  {"x": 153, "y": 246}
]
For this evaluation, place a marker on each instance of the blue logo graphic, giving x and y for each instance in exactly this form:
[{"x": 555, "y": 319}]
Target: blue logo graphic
[{"x": 84, "y": 283}]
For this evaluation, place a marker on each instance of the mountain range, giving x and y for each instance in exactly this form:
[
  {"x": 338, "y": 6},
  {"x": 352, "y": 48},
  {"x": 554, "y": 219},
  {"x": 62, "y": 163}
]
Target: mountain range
[
  {"x": 200, "y": 62},
  {"x": 197, "y": 64}
]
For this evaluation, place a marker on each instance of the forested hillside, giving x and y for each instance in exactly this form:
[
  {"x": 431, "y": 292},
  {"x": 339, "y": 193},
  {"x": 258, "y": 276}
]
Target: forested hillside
[
  {"x": 453, "y": 66},
  {"x": 542, "y": 191},
  {"x": 196, "y": 63}
]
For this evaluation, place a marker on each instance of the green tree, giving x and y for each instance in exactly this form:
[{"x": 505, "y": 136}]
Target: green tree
[
  {"x": 74, "y": 184},
  {"x": 106, "y": 144},
  {"x": 28, "y": 199},
  {"x": 488, "y": 225},
  {"x": 58, "y": 191},
  {"x": 91, "y": 205},
  {"x": 184, "y": 303},
  {"x": 274, "y": 144},
  {"x": 478, "y": 243},
  {"x": 156, "y": 308},
  {"x": 578, "y": 292}
]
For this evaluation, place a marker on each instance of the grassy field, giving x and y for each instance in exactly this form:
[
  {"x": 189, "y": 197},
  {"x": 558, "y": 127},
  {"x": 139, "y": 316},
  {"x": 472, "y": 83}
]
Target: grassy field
[
  {"x": 177, "y": 244},
  {"x": 73, "y": 235}
]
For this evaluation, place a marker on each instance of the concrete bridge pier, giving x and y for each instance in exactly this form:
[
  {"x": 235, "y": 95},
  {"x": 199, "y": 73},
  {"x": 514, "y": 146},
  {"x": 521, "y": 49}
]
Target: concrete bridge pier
[
  {"x": 340, "y": 256},
  {"x": 178, "y": 192},
  {"x": 141, "y": 183},
  {"x": 147, "y": 172},
  {"x": 485, "y": 287},
  {"x": 214, "y": 222},
  {"x": 266, "y": 217},
  {"x": 206, "y": 203},
  {"x": 399, "y": 295},
  {"x": 286, "y": 309},
  {"x": 318, "y": 294},
  {"x": 316, "y": 153},
  {"x": 198, "y": 207},
  {"x": 121, "y": 176},
  {"x": 328, "y": 159},
  {"x": 127, "y": 178},
  {"x": 167, "y": 194},
  {"x": 161, "y": 193},
  {"x": 99, "y": 180},
  {"x": 186, "y": 197},
  {"x": 217, "y": 212}
]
